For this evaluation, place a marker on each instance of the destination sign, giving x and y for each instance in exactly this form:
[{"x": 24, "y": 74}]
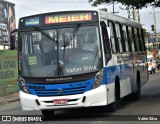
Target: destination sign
[
  {"x": 32, "y": 21},
  {"x": 68, "y": 18}
]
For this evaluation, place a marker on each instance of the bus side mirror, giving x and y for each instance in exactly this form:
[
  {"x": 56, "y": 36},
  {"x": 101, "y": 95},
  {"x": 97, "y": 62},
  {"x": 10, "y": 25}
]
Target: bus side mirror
[
  {"x": 12, "y": 42},
  {"x": 13, "y": 39}
]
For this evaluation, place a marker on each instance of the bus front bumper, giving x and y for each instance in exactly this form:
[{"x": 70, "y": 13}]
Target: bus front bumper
[{"x": 95, "y": 97}]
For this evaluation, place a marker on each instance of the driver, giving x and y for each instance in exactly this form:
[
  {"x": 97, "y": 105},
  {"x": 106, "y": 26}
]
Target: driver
[{"x": 90, "y": 44}]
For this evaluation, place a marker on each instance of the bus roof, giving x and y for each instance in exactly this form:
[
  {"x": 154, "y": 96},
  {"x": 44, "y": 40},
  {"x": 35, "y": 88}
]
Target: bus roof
[
  {"x": 102, "y": 14},
  {"x": 117, "y": 18},
  {"x": 61, "y": 11}
]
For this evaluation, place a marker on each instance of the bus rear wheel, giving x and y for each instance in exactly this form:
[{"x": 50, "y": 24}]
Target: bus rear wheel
[
  {"x": 48, "y": 113},
  {"x": 137, "y": 93}
]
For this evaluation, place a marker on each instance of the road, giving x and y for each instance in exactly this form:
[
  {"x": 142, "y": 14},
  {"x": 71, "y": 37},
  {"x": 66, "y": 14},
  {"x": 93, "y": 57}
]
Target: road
[{"x": 148, "y": 104}]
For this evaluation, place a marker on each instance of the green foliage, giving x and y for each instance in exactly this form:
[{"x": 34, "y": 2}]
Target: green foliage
[{"x": 137, "y": 3}]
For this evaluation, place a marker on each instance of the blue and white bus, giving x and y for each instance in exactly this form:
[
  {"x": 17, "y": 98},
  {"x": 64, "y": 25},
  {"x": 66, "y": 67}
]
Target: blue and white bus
[{"x": 80, "y": 58}]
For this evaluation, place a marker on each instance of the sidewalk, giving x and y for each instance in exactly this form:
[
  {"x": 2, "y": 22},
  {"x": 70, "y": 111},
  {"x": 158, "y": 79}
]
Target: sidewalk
[{"x": 9, "y": 98}]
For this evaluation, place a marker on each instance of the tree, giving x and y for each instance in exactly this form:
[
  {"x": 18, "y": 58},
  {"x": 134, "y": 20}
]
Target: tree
[{"x": 137, "y": 3}]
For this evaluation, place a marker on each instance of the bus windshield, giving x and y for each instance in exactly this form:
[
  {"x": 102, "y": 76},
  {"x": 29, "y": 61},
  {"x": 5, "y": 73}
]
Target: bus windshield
[{"x": 60, "y": 52}]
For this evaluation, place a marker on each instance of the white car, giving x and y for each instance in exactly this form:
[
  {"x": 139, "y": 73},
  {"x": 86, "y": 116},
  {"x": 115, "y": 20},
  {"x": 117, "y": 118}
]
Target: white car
[
  {"x": 152, "y": 69},
  {"x": 154, "y": 63}
]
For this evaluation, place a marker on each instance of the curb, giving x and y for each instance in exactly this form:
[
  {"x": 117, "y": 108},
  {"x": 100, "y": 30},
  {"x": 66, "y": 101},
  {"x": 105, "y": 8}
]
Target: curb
[
  {"x": 9, "y": 98},
  {"x": 13, "y": 100}
]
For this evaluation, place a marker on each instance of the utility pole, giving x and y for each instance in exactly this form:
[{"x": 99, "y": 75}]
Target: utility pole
[
  {"x": 155, "y": 23},
  {"x": 133, "y": 13},
  {"x": 114, "y": 9}
]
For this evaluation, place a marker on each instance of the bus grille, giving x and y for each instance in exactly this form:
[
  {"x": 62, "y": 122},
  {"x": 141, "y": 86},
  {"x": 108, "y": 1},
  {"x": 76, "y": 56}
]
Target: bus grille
[{"x": 54, "y": 92}]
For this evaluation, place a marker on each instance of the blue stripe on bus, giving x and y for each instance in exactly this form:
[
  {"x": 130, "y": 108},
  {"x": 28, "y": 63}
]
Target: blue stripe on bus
[{"x": 123, "y": 71}]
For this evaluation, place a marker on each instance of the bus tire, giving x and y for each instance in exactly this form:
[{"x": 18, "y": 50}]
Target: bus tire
[
  {"x": 137, "y": 93},
  {"x": 113, "y": 106},
  {"x": 48, "y": 113}
]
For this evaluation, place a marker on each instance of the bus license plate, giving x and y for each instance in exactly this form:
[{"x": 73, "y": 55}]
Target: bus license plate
[{"x": 60, "y": 101}]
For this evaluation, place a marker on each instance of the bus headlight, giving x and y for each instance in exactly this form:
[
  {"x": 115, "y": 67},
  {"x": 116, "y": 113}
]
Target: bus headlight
[
  {"x": 98, "y": 79},
  {"x": 23, "y": 86}
]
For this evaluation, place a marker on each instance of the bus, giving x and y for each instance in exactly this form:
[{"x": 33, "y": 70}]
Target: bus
[{"x": 79, "y": 58}]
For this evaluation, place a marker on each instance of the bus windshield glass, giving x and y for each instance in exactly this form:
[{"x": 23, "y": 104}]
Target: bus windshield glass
[{"x": 60, "y": 52}]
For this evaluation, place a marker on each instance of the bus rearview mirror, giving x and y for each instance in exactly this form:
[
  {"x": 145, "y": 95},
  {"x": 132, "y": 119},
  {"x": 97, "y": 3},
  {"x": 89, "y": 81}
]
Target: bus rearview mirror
[
  {"x": 12, "y": 42},
  {"x": 13, "y": 39}
]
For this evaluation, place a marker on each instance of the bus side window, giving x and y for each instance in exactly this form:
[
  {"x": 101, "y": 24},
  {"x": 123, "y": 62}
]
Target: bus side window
[
  {"x": 142, "y": 40},
  {"x": 113, "y": 37},
  {"x": 119, "y": 38},
  {"x": 138, "y": 46},
  {"x": 106, "y": 42},
  {"x": 130, "y": 30},
  {"x": 128, "y": 39},
  {"x": 124, "y": 34},
  {"x": 134, "y": 40},
  {"x": 139, "y": 40}
]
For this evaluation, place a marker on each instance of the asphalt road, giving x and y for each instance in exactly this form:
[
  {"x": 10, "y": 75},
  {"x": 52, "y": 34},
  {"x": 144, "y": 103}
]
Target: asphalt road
[{"x": 130, "y": 110}]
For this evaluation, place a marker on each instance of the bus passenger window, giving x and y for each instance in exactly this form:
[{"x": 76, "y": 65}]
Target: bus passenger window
[
  {"x": 124, "y": 33},
  {"x": 143, "y": 41},
  {"x": 128, "y": 39},
  {"x": 131, "y": 38},
  {"x": 140, "y": 39},
  {"x": 134, "y": 40},
  {"x": 119, "y": 37},
  {"x": 113, "y": 37},
  {"x": 138, "y": 46}
]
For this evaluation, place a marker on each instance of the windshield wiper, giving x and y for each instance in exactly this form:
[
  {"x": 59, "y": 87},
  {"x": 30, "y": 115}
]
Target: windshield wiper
[
  {"x": 67, "y": 42},
  {"x": 95, "y": 56},
  {"x": 45, "y": 34}
]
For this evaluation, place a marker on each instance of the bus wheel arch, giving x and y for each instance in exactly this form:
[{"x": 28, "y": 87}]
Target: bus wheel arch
[{"x": 113, "y": 106}]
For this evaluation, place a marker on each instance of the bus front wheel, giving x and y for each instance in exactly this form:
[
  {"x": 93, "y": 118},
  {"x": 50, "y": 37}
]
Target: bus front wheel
[
  {"x": 113, "y": 106},
  {"x": 137, "y": 93}
]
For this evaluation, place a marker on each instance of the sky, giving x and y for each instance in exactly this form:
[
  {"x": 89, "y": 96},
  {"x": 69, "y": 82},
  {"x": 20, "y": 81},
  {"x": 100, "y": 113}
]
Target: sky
[{"x": 31, "y": 7}]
